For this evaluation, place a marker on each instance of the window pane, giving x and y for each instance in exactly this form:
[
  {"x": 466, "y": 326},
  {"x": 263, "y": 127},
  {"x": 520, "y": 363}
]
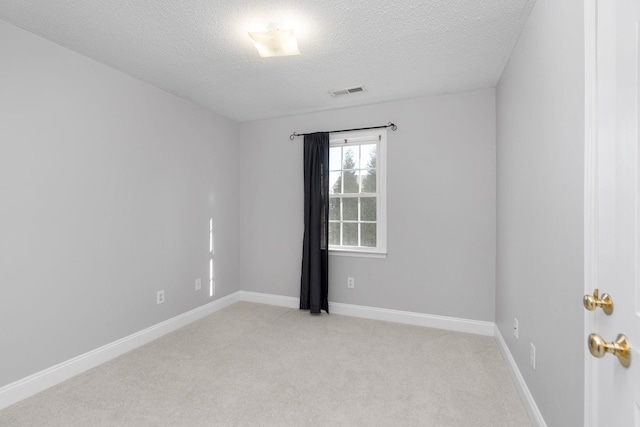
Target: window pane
[
  {"x": 350, "y": 182},
  {"x": 350, "y": 157},
  {"x": 335, "y": 158},
  {"x": 350, "y": 237},
  {"x": 368, "y": 238},
  {"x": 367, "y": 209},
  {"x": 334, "y": 233},
  {"x": 369, "y": 174},
  {"x": 369, "y": 181},
  {"x": 334, "y": 209},
  {"x": 350, "y": 208},
  {"x": 368, "y": 156},
  {"x": 335, "y": 183}
]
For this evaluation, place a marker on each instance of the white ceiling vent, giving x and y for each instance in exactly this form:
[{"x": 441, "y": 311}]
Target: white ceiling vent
[{"x": 347, "y": 91}]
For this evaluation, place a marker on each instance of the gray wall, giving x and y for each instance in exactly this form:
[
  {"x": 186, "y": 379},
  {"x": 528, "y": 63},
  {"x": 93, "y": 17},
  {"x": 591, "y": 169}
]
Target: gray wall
[
  {"x": 441, "y": 207},
  {"x": 540, "y": 137},
  {"x": 107, "y": 185}
]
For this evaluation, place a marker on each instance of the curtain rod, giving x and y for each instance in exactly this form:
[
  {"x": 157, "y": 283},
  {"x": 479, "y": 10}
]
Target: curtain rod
[{"x": 390, "y": 125}]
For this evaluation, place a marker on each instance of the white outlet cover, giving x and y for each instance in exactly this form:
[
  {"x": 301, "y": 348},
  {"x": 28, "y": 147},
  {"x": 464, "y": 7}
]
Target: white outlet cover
[
  {"x": 515, "y": 327},
  {"x": 198, "y": 284},
  {"x": 160, "y": 297},
  {"x": 532, "y": 356}
]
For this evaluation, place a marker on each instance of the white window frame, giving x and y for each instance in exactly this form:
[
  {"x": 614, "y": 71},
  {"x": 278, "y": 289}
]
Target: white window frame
[{"x": 379, "y": 136}]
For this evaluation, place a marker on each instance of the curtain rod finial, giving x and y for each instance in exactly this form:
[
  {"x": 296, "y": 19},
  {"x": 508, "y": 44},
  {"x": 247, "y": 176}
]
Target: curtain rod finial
[{"x": 393, "y": 126}]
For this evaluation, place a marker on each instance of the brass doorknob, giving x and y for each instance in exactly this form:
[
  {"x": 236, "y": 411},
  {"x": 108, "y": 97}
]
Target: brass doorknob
[
  {"x": 619, "y": 348},
  {"x": 591, "y": 302}
]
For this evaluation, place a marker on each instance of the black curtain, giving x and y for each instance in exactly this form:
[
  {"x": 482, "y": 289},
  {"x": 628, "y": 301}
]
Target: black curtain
[{"x": 314, "y": 285}]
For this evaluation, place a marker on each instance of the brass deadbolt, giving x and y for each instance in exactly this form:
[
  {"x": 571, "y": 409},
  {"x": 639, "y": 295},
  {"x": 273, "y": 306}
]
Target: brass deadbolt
[{"x": 591, "y": 302}]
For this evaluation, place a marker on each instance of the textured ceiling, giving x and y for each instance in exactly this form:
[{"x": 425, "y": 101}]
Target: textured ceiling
[{"x": 200, "y": 49}]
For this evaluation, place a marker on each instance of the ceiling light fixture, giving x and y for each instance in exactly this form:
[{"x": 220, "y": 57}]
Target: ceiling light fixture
[{"x": 275, "y": 42}]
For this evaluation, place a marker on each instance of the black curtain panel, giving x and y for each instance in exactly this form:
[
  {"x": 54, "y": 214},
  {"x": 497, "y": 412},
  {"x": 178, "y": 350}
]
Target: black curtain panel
[{"x": 314, "y": 285}]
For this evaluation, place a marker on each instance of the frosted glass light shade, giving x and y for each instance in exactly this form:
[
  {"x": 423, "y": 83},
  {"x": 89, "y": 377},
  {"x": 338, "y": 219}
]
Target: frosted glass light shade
[{"x": 275, "y": 42}]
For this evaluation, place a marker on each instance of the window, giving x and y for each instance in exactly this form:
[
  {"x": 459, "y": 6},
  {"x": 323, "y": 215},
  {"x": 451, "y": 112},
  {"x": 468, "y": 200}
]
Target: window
[{"x": 357, "y": 185}]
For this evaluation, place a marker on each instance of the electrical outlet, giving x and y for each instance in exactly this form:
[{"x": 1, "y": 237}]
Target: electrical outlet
[
  {"x": 160, "y": 297},
  {"x": 198, "y": 284},
  {"x": 515, "y": 327},
  {"x": 532, "y": 356},
  {"x": 351, "y": 282}
]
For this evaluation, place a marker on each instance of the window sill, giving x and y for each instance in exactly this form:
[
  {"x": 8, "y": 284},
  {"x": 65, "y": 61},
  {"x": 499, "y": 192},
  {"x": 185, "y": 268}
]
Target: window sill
[{"x": 358, "y": 254}]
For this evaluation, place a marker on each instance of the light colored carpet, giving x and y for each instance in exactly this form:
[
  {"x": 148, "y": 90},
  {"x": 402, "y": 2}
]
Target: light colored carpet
[{"x": 259, "y": 365}]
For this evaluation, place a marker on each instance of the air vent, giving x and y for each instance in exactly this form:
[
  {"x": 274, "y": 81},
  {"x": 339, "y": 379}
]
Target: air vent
[{"x": 346, "y": 91}]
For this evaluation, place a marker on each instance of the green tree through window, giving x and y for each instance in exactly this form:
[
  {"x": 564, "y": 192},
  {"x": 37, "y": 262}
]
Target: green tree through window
[{"x": 369, "y": 180}]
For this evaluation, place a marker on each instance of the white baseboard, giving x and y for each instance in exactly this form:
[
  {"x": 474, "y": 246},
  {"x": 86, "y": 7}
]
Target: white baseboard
[
  {"x": 418, "y": 319},
  {"x": 410, "y": 318},
  {"x": 530, "y": 405},
  {"x": 278, "y": 300},
  {"x": 42, "y": 380}
]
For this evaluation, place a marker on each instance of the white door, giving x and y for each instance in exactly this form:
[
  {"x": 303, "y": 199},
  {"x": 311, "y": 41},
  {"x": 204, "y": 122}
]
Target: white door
[{"x": 612, "y": 215}]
